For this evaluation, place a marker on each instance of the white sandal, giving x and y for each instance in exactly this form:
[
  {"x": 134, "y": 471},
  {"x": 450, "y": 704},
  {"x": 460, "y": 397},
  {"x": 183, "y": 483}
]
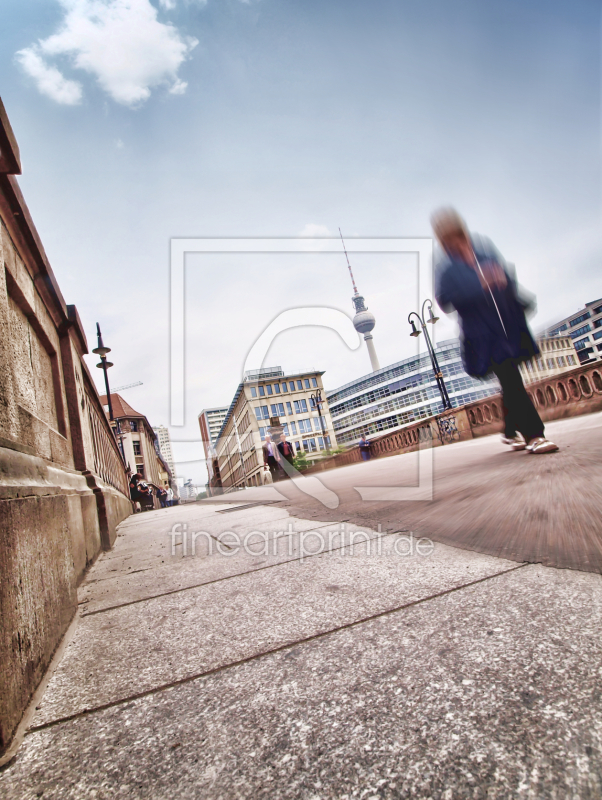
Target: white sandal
[{"x": 542, "y": 445}]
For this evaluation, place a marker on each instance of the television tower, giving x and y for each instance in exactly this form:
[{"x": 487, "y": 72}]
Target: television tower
[{"x": 364, "y": 321}]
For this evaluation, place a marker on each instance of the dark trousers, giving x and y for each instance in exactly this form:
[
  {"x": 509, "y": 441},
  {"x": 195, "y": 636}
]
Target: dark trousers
[
  {"x": 273, "y": 465},
  {"x": 519, "y": 412}
]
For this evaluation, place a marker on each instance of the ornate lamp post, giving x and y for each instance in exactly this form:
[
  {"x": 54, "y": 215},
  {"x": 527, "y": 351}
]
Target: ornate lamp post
[
  {"x": 431, "y": 350},
  {"x": 104, "y": 365},
  {"x": 317, "y": 402}
]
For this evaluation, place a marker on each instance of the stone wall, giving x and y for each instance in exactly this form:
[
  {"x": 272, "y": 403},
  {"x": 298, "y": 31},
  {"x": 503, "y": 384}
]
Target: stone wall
[{"x": 63, "y": 485}]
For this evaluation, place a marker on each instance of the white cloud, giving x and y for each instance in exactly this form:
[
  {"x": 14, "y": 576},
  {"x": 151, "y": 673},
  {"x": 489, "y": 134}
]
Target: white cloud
[
  {"x": 120, "y": 42},
  {"x": 167, "y": 4},
  {"x": 49, "y": 79},
  {"x": 179, "y": 87}
]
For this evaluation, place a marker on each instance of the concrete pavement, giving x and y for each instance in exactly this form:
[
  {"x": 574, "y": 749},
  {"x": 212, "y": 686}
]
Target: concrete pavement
[{"x": 304, "y": 657}]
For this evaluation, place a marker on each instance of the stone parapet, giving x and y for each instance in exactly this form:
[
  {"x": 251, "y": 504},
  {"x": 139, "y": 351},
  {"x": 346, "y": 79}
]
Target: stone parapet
[
  {"x": 63, "y": 482},
  {"x": 577, "y": 391}
]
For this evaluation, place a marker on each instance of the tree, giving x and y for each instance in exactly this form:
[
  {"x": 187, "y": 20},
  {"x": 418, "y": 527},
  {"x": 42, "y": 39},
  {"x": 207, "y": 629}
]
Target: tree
[{"x": 300, "y": 461}]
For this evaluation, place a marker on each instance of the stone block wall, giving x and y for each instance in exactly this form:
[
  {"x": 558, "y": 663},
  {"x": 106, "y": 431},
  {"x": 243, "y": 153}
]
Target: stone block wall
[{"x": 63, "y": 484}]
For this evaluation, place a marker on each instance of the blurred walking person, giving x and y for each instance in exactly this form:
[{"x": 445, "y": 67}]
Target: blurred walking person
[
  {"x": 473, "y": 279},
  {"x": 287, "y": 454},
  {"x": 270, "y": 456}
]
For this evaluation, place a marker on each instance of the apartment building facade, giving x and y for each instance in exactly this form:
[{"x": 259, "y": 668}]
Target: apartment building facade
[
  {"x": 138, "y": 443},
  {"x": 585, "y": 329},
  {"x": 269, "y": 401},
  {"x": 557, "y": 355}
]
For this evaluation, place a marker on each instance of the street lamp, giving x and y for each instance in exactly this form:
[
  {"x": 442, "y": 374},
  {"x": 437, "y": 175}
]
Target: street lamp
[
  {"x": 431, "y": 350},
  {"x": 317, "y": 402},
  {"x": 104, "y": 365}
]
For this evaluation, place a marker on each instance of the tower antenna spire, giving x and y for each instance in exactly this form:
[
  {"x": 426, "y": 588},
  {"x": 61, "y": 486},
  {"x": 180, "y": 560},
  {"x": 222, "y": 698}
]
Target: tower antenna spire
[{"x": 348, "y": 264}]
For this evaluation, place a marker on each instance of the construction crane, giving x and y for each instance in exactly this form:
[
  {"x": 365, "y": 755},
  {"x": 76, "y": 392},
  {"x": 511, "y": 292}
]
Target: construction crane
[{"x": 129, "y": 386}]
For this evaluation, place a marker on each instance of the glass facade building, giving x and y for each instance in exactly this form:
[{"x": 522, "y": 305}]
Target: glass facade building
[{"x": 402, "y": 393}]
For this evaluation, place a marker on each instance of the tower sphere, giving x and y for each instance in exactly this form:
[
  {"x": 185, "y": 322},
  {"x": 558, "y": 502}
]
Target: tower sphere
[{"x": 364, "y": 322}]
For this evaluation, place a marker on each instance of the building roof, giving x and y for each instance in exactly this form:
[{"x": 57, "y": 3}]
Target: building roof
[{"x": 120, "y": 407}]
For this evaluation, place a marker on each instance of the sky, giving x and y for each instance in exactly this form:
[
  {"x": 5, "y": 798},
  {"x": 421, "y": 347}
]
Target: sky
[{"x": 140, "y": 121}]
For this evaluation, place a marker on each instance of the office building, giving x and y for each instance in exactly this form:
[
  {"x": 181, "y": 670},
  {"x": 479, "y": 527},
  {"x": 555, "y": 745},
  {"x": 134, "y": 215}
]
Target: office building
[
  {"x": 210, "y": 423},
  {"x": 164, "y": 443},
  {"x": 402, "y": 393},
  {"x": 585, "y": 329},
  {"x": 268, "y": 401}
]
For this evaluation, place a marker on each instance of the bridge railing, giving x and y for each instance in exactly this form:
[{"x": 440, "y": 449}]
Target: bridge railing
[
  {"x": 568, "y": 394},
  {"x": 108, "y": 461}
]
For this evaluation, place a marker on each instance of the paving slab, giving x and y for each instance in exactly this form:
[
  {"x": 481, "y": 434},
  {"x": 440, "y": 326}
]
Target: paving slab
[
  {"x": 145, "y": 543},
  {"x": 489, "y": 692},
  {"x": 128, "y": 650},
  {"x": 206, "y": 559}
]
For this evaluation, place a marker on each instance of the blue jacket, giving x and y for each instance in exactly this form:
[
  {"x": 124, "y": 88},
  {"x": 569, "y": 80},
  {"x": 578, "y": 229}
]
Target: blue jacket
[{"x": 484, "y": 342}]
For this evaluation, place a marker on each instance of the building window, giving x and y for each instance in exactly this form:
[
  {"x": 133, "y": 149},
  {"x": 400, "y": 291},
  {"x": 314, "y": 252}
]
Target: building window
[
  {"x": 309, "y": 445},
  {"x": 551, "y": 363},
  {"x": 289, "y": 409},
  {"x": 285, "y": 429},
  {"x": 596, "y": 336},
  {"x": 570, "y": 359},
  {"x": 561, "y": 361},
  {"x": 277, "y": 388},
  {"x": 293, "y": 428},
  {"x": 284, "y": 387},
  {"x": 539, "y": 363},
  {"x": 597, "y": 310},
  {"x": 556, "y": 331},
  {"x": 304, "y": 425},
  {"x": 580, "y": 318},
  {"x": 291, "y": 385},
  {"x": 261, "y": 391},
  {"x": 300, "y": 385},
  {"x": 140, "y": 470},
  {"x": 300, "y": 407},
  {"x": 261, "y": 412},
  {"x": 314, "y": 383},
  {"x": 298, "y": 446},
  {"x": 133, "y": 425},
  {"x": 580, "y": 331},
  {"x": 306, "y": 382},
  {"x": 137, "y": 450},
  {"x": 581, "y": 343},
  {"x": 262, "y": 433},
  {"x": 277, "y": 409},
  {"x": 319, "y": 422},
  {"x": 269, "y": 388},
  {"x": 253, "y": 391}
]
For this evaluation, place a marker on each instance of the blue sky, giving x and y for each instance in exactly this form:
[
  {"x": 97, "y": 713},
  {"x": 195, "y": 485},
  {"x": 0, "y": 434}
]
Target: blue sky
[{"x": 139, "y": 121}]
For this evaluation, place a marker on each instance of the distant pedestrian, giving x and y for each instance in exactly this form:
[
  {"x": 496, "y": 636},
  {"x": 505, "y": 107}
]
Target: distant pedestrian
[
  {"x": 286, "y": 451},
  {"x": 162, "y": 495},
  {"x": 266, "y": 475},
  {"x": 473, "y": 279},
  {"x": 169, "y": 498},
  {"x": 271, "y": 456},
  {"x": 364, "y": 446},
  {"x": 135, "y": 493},
  {"x": 146, "y": 496}
]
